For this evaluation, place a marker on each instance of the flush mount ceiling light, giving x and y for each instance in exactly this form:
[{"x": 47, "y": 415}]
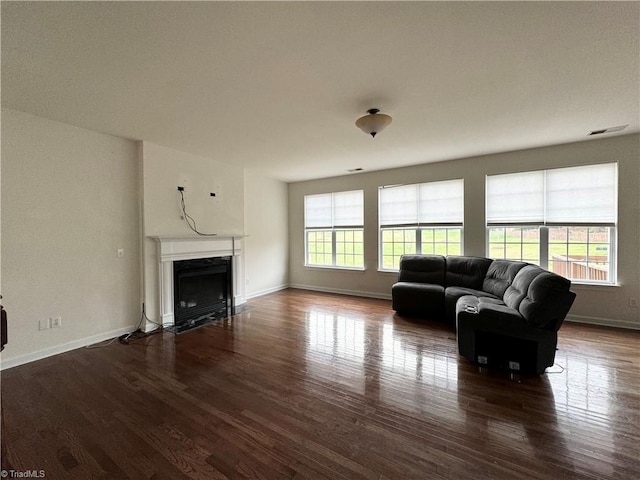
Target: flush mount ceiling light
[{"x": 373, "y": 123}]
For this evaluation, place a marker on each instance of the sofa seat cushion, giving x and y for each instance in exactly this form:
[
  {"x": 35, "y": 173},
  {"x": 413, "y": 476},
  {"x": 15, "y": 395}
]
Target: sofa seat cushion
[
  {"x": 473, "y": 301},
  {"x": 491, "y": 313},
  {"x": 504, "y": 316},
  {"x": 452, "y": 294},
  {"x": 490, "y": 300},
  {"x": 486, "y": 308},
  {"x": 418, "y": 298},
  {"x": 462, "y": 291}
]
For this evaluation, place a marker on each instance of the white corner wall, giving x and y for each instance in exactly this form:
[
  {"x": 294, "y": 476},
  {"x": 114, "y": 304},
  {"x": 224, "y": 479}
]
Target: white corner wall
[
  {"x": 163, "y": 170},
  {"x": 70, "y": 200},
  {"x": 266, "y": 226},
  {"x": 607, "y": 305}
]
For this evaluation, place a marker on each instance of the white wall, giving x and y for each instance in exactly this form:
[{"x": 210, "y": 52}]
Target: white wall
[
  {"x": 163, "y": 170},
  {"x": 266, "y": 226},
  {"x": 69, "y": 199},
  {"x": 597, "y": 304}
]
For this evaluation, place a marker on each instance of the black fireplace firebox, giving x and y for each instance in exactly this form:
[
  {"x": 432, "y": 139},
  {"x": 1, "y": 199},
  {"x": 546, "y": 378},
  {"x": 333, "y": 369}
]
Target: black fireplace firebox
[{"x": 202, "y": 291}]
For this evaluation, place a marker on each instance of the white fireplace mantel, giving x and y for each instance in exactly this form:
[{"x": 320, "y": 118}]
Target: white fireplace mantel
[{"x": 175, "y": 248}]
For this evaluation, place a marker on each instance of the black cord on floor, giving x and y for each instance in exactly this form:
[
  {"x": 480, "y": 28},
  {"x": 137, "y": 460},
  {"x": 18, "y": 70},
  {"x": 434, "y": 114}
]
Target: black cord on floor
[{"x": 136, "y": 336}]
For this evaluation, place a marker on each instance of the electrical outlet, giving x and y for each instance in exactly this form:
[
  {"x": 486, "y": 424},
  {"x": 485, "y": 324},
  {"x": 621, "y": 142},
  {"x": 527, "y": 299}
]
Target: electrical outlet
[
  {"x": 56, "y": 322},
  {"x": 44, "y": 324},
  {"x": 633, "y": 302},
  {"x": 120, "y": 253}
]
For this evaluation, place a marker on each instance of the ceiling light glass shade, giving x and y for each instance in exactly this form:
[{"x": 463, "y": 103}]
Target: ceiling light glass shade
[{"x": 374, "y": 122}]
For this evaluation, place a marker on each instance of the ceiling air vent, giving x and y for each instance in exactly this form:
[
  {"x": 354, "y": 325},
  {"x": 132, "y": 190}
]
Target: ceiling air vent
[{"x": 609, "y": 130}]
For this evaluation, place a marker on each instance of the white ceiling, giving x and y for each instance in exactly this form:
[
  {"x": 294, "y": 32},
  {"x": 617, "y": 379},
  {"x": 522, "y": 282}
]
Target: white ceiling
[{"x": 278, "y": 86}]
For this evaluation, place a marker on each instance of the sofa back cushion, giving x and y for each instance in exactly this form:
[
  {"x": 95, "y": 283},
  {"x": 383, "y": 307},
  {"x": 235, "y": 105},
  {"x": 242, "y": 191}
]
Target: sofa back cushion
[
  {"x": 468, "y": 272},
  {"x": 422, "y": 269},
  {"x": 548, "y": 301},
  {"x": 500, "y": 276},
  {"x": 518, "y": 289}
]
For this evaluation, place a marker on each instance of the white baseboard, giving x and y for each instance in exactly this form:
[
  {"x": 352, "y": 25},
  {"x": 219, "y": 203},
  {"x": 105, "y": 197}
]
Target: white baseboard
[
  {"x": 355, "y": 293},
  {"x": 65, "y": 347},
  {"x": 605, "y": 322},
  {"x": 266, "y": 291}
]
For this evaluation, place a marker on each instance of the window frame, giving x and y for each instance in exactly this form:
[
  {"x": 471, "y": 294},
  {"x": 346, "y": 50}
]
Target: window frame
[
  {"x": 545, "y": 221},
  {"x": 544, "y": 244},
  {"x": 418, "y": 230},
  {"x": 420, "y": 217},
  {"x": 333, "y": 230}
]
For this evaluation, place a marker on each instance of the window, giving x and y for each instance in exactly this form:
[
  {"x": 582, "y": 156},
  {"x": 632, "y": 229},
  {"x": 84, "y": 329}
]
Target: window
[
  {"x": 420, "y": 218},
  {"x": 334, "y": 229},
  {"x": 581, "y": 253},
  {"x": 562, "y": 219}
]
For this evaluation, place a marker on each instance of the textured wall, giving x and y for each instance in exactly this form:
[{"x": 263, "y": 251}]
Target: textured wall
[
  {"x": 70, "y": 201},
  {"x": 266, "y": 226}
]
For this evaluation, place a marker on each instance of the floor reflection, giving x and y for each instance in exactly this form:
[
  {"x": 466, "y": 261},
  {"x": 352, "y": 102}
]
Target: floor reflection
[
  {"x": 338, "y": 335},
  {"x": 415, "y": 368},
  {"x": 376, "y": 352},
  {"x": 427, "y": 361},
  {"x": 336, "y": 348},
  {"x": 503, "y": 411},
  {"x": 594, "y": 374}
]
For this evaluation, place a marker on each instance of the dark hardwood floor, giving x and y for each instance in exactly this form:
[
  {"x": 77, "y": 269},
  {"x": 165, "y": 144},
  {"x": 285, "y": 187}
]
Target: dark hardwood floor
[{"x": 311, "y": 385}]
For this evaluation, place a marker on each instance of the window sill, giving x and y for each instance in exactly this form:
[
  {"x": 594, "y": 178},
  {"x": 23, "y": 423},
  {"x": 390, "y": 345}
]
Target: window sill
[
  {"x": 392, "y": 272},
  {"x": 333, "y": 267},
  {"x": 593, "y": 286}
]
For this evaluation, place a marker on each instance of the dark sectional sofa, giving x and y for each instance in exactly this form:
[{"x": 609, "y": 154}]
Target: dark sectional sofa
[{"x": 507, "y": 313}]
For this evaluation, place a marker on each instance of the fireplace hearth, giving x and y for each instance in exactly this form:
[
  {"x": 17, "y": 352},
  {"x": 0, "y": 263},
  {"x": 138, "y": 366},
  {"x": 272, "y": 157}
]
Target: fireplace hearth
[{"x": 202, "y": 291}]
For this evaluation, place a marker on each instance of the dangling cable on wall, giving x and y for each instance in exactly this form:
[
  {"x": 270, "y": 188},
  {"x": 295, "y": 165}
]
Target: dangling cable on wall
[{"x": 189, "y": 220}]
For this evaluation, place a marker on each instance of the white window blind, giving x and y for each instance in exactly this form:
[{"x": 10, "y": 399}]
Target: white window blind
[
  {"x": 515, "y": 198},
  {"x": 318, "y": 211},
  {"x": 348, "y": 209},
  {"x": 584, "y": 195},
  {"x": 433, "y": 203},
  {"x": 328, "y": 210},
  {"x": 398, "y": 205},
  {"x": 441, "y": 203}
]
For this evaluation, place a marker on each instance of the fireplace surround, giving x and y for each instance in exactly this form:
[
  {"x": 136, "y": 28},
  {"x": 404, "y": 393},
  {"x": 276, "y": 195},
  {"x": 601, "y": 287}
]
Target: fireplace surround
[{"x": 171, "y": 249}]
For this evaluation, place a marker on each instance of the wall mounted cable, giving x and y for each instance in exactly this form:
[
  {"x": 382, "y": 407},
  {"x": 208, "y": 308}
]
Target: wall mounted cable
[{"x": 188, "y": 218}]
